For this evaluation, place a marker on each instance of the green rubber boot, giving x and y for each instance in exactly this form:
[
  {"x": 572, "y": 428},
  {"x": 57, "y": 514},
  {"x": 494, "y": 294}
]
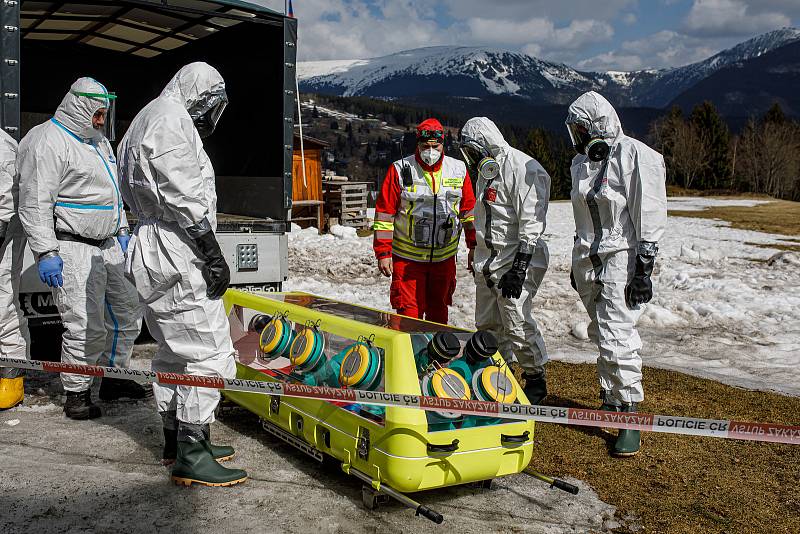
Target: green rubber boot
[
  {"x": 628, "y": 441},
  {"x": 194, "y": 463},
  {"x": 609, "y": 403},
  {"x": 220, "y": 453}
]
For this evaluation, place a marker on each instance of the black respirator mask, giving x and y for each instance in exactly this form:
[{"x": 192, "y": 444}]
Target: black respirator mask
[
  {"x": 206, "y": 112},
  {"x": 478, "y": 159},
  {"x": 595, "y": 147}
]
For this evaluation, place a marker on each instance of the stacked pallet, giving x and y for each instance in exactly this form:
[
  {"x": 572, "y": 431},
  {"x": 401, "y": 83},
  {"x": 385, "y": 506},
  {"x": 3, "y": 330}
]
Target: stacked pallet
[{"x": 347, "y": 202}]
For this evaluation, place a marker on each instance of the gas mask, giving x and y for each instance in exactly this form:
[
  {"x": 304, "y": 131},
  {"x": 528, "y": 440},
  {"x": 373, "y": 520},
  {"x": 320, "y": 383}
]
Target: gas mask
[
  {"x": 205, "y": 113},
  {"x": 430, "y": 156},
  {"x": 478, "y": 159},
  {"x": 595, "y": 148}
]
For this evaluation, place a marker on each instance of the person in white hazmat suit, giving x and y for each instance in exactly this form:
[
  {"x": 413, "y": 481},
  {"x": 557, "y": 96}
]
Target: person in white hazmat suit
[
  {"x": 14, "y": 339},
  {"x": 71, "y": 210},
  {"x": 620, "y": 205},
  {"x": 176, "y": 262},
  {"x": 512, "y": 194}
]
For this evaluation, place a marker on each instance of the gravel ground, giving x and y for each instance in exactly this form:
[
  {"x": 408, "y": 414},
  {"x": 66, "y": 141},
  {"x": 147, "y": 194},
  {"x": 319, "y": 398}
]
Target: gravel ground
[{"x": 104, "y": 476}]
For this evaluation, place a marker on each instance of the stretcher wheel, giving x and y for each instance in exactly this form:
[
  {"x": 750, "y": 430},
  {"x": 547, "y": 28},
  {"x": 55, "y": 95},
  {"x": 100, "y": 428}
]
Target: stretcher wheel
[{"x": 372, "y": 498}]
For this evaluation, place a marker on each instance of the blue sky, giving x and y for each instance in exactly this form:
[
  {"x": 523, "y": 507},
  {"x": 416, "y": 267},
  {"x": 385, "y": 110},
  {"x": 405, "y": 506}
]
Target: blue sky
[{"x": 587, "y": 34}]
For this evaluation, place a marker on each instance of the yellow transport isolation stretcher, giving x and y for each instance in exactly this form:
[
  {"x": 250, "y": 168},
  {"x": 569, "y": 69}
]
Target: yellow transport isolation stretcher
[{"x": 302, "y": 338}]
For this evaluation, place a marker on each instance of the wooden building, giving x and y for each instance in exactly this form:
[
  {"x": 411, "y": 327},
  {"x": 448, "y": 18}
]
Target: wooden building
[{"x": 307, "y": 203}]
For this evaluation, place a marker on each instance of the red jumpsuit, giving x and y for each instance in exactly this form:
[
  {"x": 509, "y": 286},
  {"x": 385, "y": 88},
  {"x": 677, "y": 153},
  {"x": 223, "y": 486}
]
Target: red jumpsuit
[{"x": 421, "y": 290}]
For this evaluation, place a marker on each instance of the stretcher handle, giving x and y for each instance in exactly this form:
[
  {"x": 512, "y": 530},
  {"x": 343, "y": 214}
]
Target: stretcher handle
[
  {"x": 564, "y": 486},
  {"x": 432, "y": 447},
  {"x": 520, "y": 438},
  {"x": 427, "y": 513}
]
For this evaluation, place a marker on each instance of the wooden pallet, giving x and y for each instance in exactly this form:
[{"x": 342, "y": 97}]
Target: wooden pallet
[{"x": 348, "y": 203}]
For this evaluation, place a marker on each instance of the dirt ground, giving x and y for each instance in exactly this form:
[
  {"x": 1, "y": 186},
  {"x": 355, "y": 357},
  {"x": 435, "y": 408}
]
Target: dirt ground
[
  {"x": 681, "y": 484},
  {"x": 104, "y": 475}
]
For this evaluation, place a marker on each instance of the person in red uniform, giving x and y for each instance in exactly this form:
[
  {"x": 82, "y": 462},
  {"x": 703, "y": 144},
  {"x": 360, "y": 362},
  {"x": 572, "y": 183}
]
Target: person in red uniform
[{"x": 425, "y": 201}]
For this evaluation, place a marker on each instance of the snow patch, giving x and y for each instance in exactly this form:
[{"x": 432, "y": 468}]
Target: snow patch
[{"x": 722, "y": 309}]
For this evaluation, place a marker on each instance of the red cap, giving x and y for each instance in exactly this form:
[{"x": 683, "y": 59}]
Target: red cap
[{"x": 431, "y": 125}]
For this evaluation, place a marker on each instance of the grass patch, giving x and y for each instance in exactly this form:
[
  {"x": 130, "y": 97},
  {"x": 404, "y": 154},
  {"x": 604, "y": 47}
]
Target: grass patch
[
  {"x": 678, "y": 191},
  {"x": 775, "y": 217},
  {"x": 779, "y": 246},
  {"x": 680, "y": 484}
]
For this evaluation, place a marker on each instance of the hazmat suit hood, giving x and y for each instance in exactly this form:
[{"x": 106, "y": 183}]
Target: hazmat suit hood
[
  {"x": 486, "y": 133},
  {"x": 75, "y": 112},
  {"x": 596, "y": 114},
  {"x": 193, "y": 83}
]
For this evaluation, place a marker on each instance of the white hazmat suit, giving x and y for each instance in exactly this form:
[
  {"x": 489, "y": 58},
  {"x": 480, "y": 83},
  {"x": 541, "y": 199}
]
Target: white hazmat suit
[
  {"x": 168, "y": 182},
  {"x": 510, "y": 212},
  {"x": 70, "y": 204},
  {"x": 14, "y": 339},
  {"x": 620, "y": 210}
]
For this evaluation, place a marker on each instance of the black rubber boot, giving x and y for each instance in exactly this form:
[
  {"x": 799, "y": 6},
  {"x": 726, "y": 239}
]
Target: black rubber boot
[
  {"x": 170, "y": 451},
  {"x": 628, "y": 441},
  {"x": 535, "y": 387},
  {"x": 79, "y": 406},
  {"x": 112, "y": 389},
  {"x": 194, "y": 463}
]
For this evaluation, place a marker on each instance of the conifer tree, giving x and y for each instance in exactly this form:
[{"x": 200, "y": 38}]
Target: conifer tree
[{"x": 714, "y": 131}]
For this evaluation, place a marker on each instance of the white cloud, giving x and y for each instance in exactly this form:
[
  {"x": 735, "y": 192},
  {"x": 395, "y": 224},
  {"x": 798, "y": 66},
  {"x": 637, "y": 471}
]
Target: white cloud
[
  {"x": 349, "y": 29},
  {"x": 727, "y": 18},
  {"x": 559, "y": 10},
  {"x": 539, "y": 31},
  {"x": 629, "y": 19},
  {"x": 659, "y": 50}
]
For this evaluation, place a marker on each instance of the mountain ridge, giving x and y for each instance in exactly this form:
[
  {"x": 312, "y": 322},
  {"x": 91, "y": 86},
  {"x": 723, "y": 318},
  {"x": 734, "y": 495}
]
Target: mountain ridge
[{"x": 477, "y": 72}]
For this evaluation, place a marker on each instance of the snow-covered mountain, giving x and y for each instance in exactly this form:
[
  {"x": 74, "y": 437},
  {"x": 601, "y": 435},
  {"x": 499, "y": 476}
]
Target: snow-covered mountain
[
  {"x": 475, "y": 72},
  {"x": 659, "y": 88}
]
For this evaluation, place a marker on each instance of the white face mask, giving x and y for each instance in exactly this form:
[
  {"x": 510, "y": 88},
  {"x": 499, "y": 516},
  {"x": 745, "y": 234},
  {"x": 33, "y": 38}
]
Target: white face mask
[{"x": 430, "y": 156}]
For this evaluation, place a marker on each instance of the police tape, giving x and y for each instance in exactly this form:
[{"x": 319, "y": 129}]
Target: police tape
[{"x": 692, "y": 426}]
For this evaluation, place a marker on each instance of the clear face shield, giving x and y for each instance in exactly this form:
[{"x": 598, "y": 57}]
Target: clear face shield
[
  {"x": 104, "y": 119},
  {"x": 478, "y": 159},
  {"x": 206, "y": 113},
  {"x": 583, "y": 143},
  {"x": 578, "y": 135}
]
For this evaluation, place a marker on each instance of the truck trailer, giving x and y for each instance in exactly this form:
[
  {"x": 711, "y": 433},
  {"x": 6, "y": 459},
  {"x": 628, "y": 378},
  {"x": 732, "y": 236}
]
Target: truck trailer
[{"x": 134, "y": 47}]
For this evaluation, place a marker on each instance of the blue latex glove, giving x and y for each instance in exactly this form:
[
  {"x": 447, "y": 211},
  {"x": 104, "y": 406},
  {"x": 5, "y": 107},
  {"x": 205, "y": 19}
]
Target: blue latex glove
[
  {"x": 50, "y": 268},
  {"x": 123, "y": 242}
]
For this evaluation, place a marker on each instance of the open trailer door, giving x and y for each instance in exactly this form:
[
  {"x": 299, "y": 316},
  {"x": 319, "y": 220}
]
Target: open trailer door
[{"x": 134, "y": 47}]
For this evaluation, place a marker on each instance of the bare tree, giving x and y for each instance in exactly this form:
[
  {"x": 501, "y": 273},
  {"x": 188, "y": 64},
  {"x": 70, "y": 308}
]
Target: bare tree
[
  {"x": 769, "y": 158},
  {"x": 689, "y": 151}
]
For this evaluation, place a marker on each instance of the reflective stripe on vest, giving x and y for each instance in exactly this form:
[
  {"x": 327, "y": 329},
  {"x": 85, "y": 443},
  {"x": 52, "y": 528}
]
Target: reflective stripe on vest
[{"x": 428, "y": 225}]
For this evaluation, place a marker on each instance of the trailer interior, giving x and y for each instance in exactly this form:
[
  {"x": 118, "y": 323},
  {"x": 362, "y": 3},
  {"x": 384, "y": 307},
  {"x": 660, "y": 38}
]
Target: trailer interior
[{"x": 134, "y": 47}]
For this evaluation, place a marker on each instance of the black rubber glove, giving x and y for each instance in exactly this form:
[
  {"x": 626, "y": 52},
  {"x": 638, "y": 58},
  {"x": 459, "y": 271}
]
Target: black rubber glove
[
  {"x": 512, "y": 281},
  {"x": 572, "y": 280},
  {"x": 640, "y": 289},
  {"x": 215, "y": 269}
]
